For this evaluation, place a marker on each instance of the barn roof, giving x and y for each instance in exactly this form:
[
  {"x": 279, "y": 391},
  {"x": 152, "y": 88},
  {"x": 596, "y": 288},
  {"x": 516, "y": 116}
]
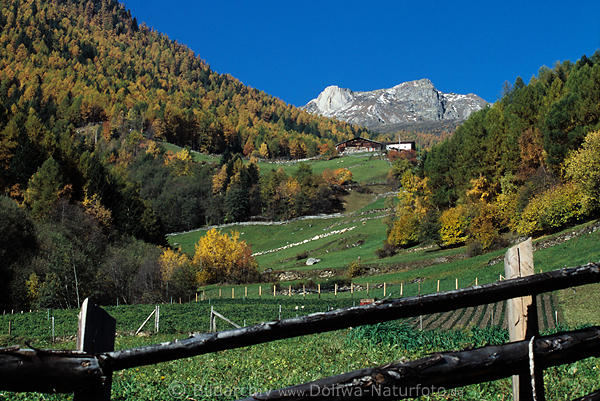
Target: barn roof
[{"x": 359, "y": 138}]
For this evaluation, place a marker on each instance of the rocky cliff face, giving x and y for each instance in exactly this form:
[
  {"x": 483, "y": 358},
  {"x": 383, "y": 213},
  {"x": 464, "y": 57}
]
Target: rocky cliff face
[{"x": 408, "y": 103}]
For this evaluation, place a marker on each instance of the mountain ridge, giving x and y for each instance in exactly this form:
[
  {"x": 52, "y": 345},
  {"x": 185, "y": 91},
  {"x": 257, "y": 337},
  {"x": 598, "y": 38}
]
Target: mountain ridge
[{"x": 408, "y": 103}]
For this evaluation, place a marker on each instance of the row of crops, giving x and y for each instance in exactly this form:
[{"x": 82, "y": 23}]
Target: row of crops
[{"x": 194, "y": 317}]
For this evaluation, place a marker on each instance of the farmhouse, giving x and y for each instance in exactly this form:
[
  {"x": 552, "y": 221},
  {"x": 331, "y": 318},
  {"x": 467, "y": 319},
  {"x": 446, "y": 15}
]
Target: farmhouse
[
  {"x": 401, "y": 146},
  {"x": 359, "y": 144}
]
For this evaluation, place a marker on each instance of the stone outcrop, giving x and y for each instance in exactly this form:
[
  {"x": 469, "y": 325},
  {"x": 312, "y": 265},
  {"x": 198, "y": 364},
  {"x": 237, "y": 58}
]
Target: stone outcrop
[{"x": 411, "y": 102}]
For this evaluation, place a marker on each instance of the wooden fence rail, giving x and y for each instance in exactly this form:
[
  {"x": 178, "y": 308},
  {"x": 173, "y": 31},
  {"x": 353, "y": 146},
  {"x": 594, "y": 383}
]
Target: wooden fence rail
[
  {"x": 379, "y": 311},
  {"x": 64, "y": 371},
  {"x": 70, "y": 371},
  {"x": 443, "y": 371}
]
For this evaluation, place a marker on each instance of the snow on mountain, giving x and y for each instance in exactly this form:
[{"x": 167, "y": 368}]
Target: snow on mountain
[{"x": 408, "y": 102}]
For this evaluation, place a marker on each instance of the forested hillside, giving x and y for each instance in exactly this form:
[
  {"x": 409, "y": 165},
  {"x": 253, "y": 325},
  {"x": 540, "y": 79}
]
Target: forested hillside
[
  {"x": 77, "y": 62},
  {"x": 87, "y": 95},
  {"x": 533, "y": 127},
  {"x": 529, "y": 164}
]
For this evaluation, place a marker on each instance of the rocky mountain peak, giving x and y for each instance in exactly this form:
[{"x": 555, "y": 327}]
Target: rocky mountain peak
[
  {"x": 408, "y": 102},
  {"x": 333, "y": 98}
]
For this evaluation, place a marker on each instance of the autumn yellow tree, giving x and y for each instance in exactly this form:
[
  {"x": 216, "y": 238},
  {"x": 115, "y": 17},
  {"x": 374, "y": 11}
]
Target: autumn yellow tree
[
  {"x": 582, "y": 167},
  {"x": 219, "y": 180},
  {"x": 169, "y": 261},
  {"x": 178, "y": 274},
  {"x": 220, "y": 257},
  {"x": 343, "y": 176},
  {"x": 93, "y": 207},
  {"x": 152, "y": 149},
  {"x": 555, "y": 208},
  {"x": 264, "y": 151},
  {"x": 454, "y": 226},
  {"x": 180, "y": 162},
  {"x": 327, "y": 150},
  {"x": 485, "y": 224},
  {"x": 338, "y": 176},
  {"x": 414, "y": 199}
]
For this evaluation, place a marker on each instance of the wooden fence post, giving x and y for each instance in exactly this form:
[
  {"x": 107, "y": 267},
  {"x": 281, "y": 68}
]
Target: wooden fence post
[
  {"x": 219, "y": 293},
  {"x": 274, "y": 290},
  {"x": 367, "y": 289},
  {"x": 145, "y": 321},
  {"x": 290, "y": 291},
  {"x": 245, "y": 292},
  {"x": 457, "y": 283},
  {"x": 319, "y": 290},
  {"x": 232, "y": 292},
  {"x": 96, "y": 334},
  {"x": 401, "y": 288},
  {"x": 260, "y": 291},
  {"x": 157, "y": 318},
  {"x": 304, "y": 290},
  {"x": 438, "y": 286},
  {"x": 335, "y": 290},
  {"x": 523, "y": 320},
  {"x": 384, "y": 288}
]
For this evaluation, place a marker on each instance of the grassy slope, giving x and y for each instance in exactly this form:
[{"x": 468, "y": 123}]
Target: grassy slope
[
  {"x": 284, "y": 362},
  {"x": 365, "y": 168},
  {"x": 337, "y": 251},
  {"x": 196, "y": 156}
]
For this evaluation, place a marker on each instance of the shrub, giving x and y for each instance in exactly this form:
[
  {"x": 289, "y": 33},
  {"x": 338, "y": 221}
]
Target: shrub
[
  {"x": 329, "y": 285},
  {"x": 454, "y": 226},
  {"x": 355, "y": 269},
  {"x": 386, "y": 251},
  {"x": 473, "y": 249},
  {"x": 553, "y": 209}
]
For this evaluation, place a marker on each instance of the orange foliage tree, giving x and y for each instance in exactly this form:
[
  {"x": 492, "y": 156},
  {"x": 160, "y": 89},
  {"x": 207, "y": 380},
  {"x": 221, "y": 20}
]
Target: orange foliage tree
[{"x": 339, "y": 176}]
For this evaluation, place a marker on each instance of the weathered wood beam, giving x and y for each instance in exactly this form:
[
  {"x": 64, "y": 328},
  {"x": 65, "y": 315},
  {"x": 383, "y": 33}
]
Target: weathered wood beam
[
  {"x": 380, "y": 311},
  {"x": 48, "y": 371},
  {"x": 443, "y": 371},
  {"x": 96, "y": 333}
]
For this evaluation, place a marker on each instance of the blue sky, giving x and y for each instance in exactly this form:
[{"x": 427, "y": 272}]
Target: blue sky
[{"x": 294, "y": 49}]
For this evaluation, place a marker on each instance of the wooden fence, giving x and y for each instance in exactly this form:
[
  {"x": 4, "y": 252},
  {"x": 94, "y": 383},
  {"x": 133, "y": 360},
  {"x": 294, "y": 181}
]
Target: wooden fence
[{"x": 87, "y": 372}]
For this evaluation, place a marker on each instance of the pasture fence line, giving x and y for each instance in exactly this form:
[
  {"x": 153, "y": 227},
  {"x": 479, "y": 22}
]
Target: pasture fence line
[
  {"x": 369, "y": 288},
  {"x": 88, "y": 371}
]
